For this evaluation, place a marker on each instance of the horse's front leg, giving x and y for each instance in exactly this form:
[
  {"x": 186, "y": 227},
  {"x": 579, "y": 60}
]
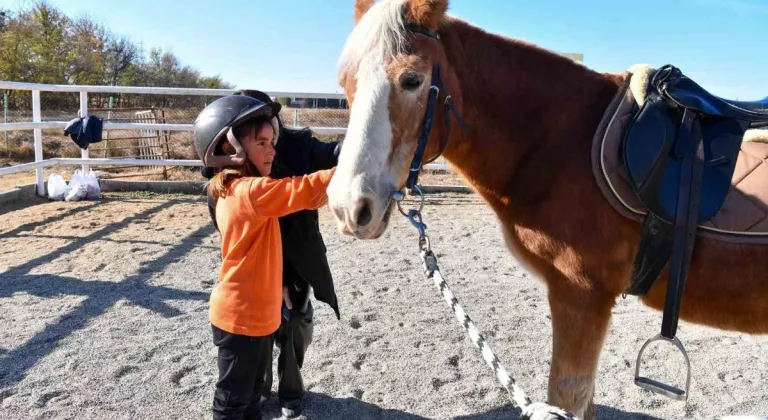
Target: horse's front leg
[{"x": 579, "y": 322}]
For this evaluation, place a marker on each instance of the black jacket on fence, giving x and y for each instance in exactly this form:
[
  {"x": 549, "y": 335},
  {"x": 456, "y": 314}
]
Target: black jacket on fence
[{"x": 301, "y": 153}]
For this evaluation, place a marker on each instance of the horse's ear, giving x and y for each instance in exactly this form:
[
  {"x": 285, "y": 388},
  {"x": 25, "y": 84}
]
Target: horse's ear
[
  {"x": 362, "y": 6},
  {"x": 427, "y": 13}
]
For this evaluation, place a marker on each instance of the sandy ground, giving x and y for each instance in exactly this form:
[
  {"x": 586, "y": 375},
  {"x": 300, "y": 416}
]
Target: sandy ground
[{"x": 104, "y": 314}]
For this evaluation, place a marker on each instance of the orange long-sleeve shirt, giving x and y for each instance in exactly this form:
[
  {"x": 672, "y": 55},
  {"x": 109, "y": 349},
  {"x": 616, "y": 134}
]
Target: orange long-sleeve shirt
[{"x": 248, "y": 295}]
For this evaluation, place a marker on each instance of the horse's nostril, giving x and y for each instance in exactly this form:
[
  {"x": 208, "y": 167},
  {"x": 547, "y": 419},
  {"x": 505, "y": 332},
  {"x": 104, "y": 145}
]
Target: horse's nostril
[{"x": 363, "y": 215}]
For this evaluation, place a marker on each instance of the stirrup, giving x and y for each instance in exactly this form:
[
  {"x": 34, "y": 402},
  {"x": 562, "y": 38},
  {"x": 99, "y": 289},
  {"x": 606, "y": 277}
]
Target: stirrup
[{"x": 656, "y": 386}]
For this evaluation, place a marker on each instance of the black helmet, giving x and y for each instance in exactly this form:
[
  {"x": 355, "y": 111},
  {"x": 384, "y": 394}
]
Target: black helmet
[
  {"x": 218, "y": 119},
  {"x": 253, "y": 93}
]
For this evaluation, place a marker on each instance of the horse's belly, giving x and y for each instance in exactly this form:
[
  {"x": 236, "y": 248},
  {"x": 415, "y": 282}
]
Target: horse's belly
[{"x": 727, "y": 287}]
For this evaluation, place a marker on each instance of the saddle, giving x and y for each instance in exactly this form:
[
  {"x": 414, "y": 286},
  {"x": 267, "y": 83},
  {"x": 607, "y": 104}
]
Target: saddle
[{"x": 680, "y": 151}]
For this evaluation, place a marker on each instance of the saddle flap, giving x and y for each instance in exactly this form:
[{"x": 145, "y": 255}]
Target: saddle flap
[
  {"x": 653, "y": 155},
  {"x": 722, "y": 142},
  {"x": 647, "y": 144}
]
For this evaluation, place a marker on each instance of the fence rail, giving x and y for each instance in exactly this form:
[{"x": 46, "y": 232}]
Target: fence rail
[
  {"x": 135, "y": 126},
  {"x": 37, "y": 125},
  {"x": 154, "y": 90}
]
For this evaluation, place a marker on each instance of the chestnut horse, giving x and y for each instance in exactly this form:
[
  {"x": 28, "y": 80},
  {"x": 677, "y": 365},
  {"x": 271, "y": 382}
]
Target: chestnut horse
[{"x": 532, "y": 116}]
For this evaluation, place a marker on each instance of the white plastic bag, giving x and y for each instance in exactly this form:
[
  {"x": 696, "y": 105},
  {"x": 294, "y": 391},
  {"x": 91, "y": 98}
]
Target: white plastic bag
[
  {"x": 78, "y": 188},
  {"x": 83, "y": 186},
  {"x": 78, "y": 193},
  {"x": 57, "y": 187},
  {"x": 76, "y": 179},
  {"x": 93, "y": 189}
]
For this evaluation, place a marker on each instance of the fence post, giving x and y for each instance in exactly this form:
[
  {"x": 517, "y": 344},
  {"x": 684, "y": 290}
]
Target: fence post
[
  {"x": 5, "y": 115},
  {"x": 109, "y": 118},
  {"x": 36, "y": 117},
  {"x": 84, "y": 114},
  {"x": 295, "y": 114}
]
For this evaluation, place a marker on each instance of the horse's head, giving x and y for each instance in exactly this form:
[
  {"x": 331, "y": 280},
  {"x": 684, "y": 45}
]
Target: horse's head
[{"x": 387, "y": 68}]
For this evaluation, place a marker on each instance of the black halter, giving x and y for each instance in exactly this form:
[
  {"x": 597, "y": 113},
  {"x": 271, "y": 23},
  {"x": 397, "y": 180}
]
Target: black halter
[{"x": 434, "y": 93}]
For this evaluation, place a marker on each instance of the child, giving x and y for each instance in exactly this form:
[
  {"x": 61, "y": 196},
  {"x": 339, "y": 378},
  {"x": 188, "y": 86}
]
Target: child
[
  {"x": 237, "y": 134},
  {"x": 305, "y": 266}
]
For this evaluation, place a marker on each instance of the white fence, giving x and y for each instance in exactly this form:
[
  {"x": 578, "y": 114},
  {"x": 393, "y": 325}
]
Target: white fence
[{"x": 37, "y": 125}]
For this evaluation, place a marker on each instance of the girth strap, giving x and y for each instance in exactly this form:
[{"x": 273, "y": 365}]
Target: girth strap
[{"x": 652, "y": 254}]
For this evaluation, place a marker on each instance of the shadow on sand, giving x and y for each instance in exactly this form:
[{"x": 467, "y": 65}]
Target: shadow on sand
[{"x": 325, "y": 407}]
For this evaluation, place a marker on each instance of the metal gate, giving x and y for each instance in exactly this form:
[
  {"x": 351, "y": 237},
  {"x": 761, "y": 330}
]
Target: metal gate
[{"x": 140, "y": 144}]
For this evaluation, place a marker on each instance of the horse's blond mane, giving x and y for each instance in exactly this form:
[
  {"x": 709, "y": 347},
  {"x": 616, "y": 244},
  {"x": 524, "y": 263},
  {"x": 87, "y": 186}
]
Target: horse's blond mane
[{"x": 379, "y": 34}]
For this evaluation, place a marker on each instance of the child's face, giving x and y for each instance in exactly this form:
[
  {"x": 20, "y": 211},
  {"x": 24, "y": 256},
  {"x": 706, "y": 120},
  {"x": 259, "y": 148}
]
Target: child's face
[{"x": 260, "y": 149}]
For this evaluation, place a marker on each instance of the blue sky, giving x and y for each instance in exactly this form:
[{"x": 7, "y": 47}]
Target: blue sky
[{"x": 293, "y": 45}]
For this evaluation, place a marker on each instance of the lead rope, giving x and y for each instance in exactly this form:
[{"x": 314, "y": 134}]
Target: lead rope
[{"x": 530, "y": 411}]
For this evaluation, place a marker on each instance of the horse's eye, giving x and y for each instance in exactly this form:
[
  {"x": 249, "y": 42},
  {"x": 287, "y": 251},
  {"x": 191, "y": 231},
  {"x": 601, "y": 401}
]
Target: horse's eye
[{"x": 411, "y": 81}]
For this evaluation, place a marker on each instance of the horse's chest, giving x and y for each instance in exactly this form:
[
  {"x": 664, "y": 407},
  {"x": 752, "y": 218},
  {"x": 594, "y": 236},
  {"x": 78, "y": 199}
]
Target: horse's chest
[{"x": 532, "y": 249}]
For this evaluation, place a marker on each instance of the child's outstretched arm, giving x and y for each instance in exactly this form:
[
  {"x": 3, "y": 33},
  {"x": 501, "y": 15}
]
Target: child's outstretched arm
[{"x": 279, "y": 197}]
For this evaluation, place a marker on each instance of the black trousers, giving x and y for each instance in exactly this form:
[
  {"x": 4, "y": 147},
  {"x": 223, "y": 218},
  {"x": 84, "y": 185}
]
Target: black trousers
[
  {"x": 293, "y": 338},
  {"x": 245, "y": 364}
]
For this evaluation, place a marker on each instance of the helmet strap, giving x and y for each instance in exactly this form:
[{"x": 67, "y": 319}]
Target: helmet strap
[{"x": 239, "y": 157}]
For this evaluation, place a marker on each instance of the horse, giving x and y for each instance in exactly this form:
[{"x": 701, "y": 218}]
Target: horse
[{"x": 532, "y": 117}]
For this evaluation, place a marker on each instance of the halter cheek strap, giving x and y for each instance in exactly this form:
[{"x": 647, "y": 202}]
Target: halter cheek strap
[
  {"x": 426, "y": 127},
  {"x": 418, "y": 29}
]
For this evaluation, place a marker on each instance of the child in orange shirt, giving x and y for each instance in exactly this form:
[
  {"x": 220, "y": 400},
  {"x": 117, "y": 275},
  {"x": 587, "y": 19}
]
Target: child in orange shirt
[{"x": 237, "y": 134}]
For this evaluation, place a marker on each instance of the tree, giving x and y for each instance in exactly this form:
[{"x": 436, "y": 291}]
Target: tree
[
  {"x": 87, "y": 60},
  {"x": 119, "y": 55},
  {"x": 3, "y": 19},
  {"x": 50, "y": 43},
  {"x": 214, "y": 82},
  {"x": 42, "y": 44}
]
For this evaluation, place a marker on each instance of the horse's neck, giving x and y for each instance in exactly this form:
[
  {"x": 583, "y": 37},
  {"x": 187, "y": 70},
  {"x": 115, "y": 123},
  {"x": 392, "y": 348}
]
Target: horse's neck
[{"x": 523, "y": 104}]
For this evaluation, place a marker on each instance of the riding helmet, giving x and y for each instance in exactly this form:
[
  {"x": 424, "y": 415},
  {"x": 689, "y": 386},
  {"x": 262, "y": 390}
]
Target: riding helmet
[{"x": 218, "y": 118}]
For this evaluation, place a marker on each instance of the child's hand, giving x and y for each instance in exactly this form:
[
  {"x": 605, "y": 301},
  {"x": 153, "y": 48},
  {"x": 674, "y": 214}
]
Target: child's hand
[{"x": 287, "y": 298}]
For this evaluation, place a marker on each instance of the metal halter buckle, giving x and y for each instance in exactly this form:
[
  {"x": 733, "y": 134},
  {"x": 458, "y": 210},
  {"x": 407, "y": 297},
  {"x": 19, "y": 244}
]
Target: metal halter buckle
[
  {"x": 414, "y": 216},
  {"x": 656, "y": 386},
  {"x": 399, "y": 196}
]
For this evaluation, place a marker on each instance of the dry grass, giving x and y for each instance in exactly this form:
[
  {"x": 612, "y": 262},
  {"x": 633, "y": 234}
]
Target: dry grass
[{"x": 18, "y": 147}]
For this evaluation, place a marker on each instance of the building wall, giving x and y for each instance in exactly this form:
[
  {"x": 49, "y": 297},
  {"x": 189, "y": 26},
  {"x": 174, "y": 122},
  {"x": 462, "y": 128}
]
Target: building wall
[{"x": 575, "y": 56}]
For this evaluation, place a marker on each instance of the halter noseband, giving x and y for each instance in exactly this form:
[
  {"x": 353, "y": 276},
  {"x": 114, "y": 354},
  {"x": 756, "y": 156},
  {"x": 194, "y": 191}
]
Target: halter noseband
[{"x": 426, "y": 127}]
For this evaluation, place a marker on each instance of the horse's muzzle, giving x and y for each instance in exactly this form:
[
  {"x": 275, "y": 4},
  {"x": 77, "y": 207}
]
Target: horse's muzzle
[{"x": 364, "y": 217}]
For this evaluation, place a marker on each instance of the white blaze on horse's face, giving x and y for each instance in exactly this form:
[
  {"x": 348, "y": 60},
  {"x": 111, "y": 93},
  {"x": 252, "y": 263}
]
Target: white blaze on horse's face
[
  {"x": 363, "y": 181},
  {"x": 370, "y": 165}
]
